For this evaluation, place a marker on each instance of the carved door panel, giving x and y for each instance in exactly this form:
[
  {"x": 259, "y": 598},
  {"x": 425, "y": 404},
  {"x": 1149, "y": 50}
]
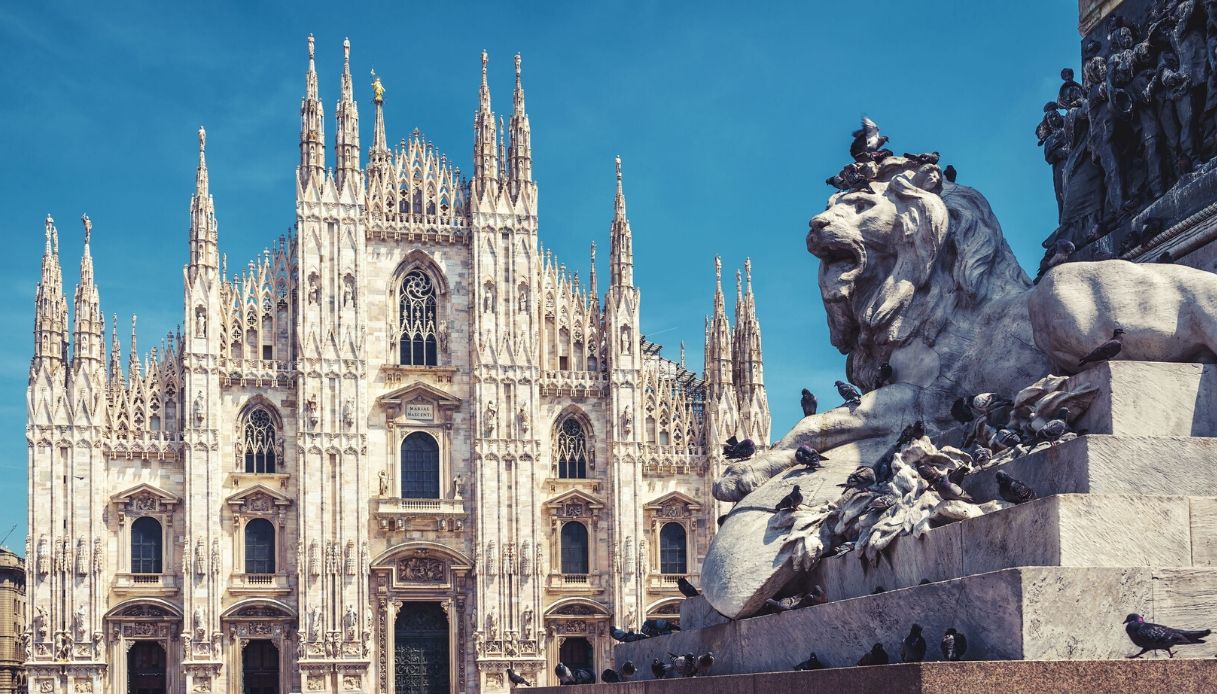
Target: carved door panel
[
  {"x": 146, "y": 668},
  {"x": 260, "y": 668},
  {"x": 420, "y": 637}
]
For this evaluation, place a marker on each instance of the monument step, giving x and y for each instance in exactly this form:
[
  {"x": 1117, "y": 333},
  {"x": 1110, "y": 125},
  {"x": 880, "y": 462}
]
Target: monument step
[
  {"x": 1145, "y": 398},
  {"x": 1026, "y": 613},
  {"x": 1031, "y": 677}
]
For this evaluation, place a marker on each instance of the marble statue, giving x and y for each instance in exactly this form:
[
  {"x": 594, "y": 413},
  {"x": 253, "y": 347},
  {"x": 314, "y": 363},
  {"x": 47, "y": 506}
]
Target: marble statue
[{"x": 915, "y": 273}]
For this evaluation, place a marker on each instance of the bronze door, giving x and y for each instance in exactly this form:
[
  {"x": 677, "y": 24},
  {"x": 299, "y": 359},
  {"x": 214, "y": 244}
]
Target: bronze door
[
  {"x": 420, "y": 637},
  {"x": 146, "y": 668},
  {"x": 260, "y": 668}
]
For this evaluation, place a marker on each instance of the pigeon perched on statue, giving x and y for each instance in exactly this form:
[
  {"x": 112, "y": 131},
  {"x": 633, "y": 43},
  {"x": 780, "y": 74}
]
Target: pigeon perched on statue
[
  {"x": 806, "y": 455},
  {"x": 867, "y": 141},
  {"x": 565, "y": 676},
  {"x": 794, "y": 602},
  {"x": 610, "y": 676},
  {"x": 684, "y": 665},
  {"x": 687, "y": 589},
  {"x": 659, "y": 669},
  {"x": 624, "y": 636},
  {"x": 910, "y": 433},
  {"x": 791, "y": 501},
  {"x": 1107, "y": 350},
  {"x": 808, "y": 403},
  {"x": 516, "y": 678},
  {"x": 705, "y": 661},
  {"x": 1003, "y": 439},
  {"x": 860, "y": 478},
  {"x": 628, "y": 669},
  {"x": 1013, "y": 490},
  {"x": 954, "y": 645},
  {"x": 1156, "y": 637},
  {"x": 961, "y": 412},
  {"x": 658, "y": 627},
  {"x": 875, "y": 656},
  {"x": 734, "y": 449},
  {"x": 848, "y": 393},
  {"x": 950, "y": 173},
  {"x": 812, "y": 663},
  {"x": 882, "y": 502},
  {"x": 885, "y": 375},
  {"x": 912, "y": 649},
  {"x": 1057, "y": 254}
]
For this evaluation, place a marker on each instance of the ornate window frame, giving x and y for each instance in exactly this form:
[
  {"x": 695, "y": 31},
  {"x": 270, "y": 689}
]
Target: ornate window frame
[
  {"x": 589, "y": 441},
  {"x": 673, "y": 507},
  {"x": 145, "y": 500},
  {"x": 259, "y": 501},
  {"x": 418, "y": 407},
  {"x": 575, "y": 505},
  {"x": 418, "y": 261},
  {"x": 247, "y": 410}
]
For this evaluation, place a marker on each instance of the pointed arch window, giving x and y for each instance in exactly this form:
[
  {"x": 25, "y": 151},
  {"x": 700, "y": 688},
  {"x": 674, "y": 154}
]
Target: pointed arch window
[
  {"x": 574, "y": 548},
  {"x": 418, "y": 340},
  {"x": 259, "y": 440},
  {"x": 146, "y": 546},
  {"x": 673, "y": 549},
  {"x": 571, "y": 448},
  {"x": 259, "y": 547},
  {"x": 419, "y": 467}
]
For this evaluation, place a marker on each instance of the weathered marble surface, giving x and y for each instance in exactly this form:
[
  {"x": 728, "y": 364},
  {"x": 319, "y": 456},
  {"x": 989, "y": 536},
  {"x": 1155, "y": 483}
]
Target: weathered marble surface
[
  {"x": 1139, "y": 398},
  {"x": 1028, "y": 613}
]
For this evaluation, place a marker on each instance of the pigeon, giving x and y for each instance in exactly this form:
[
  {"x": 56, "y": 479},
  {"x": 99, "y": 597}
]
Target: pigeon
[
  {"x": 619, "y": 635},
  {"x": 659, "y": 669},
  {"x": 875, "y": 656},
  {"x": 808, "y": 403},
  {"x": 950, "y": 173},
  {"x": 628, "y": 669},
  {"x": 1055, "y": 428},
  {"x": 885, "y": 375},
  {"x": 806, "y": 455},
  {"x": 878, "y": 589},
  {"x": 860, "y": 478},
  {"x": 791, "y": 501},
  {"x": 816, "y": 595},
  {"x": 843, "y": 548},
  {"x": 924, "y": 582},
  {"x": 866, "y": 140},
  {"x": 954, "y": 645},
  {"x": 517, "y": 678},
  {"x": 848, "y": 393},
  {"x": 912, "y": 650},
  {"x": 883, "y": 468},
  {"x": 686, "y": 588},
  {"x": 610, "y": 676},
  {"x": 1155, "y": 637},
  {"x": 583, "y": 676},
  {"x": 1060, "y": 252},
  {"x": 961, "y": 412},
  {"x": 813, "y": 597},
  {"x": 1107, "y": 350},
  {"x": 565, "y": 676},
  {"x": 882, "y": 502},
  {"x": 684, "y": 665},
  {"x": 705, "y": 661},
  {"x": 1012, "y": 490},
  {"x": 911, "y": 433},
  {"x": 812, "y": 663},
  {"x": 949, "y": 490},
  {"x": 980, "y": 454},
  {"x": 1003, "y": 439},
  {"x": 722, "y": 519},
  {"x": 734, "y": 449},
  {"x": 658, "y": 627}
]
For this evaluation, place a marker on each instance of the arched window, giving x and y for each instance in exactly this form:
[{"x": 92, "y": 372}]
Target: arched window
[
  {"x": 673, "y": 549},
  {"x": 574, "y": 548},
  {"x": 146, "y": 546},
  {"x": 259, "y": 547},
  {"x": 571, "y": 449},
  {"x": 417, "y": 336},
  {"x": 258, "y": 441},
  {"x": 419, "y": 467}
]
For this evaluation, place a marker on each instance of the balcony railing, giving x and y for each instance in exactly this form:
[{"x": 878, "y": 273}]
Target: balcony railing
[
  {"x": 146, "y": 584},
  {"x": 261, "y": 584},
  {"x": 394, "y": 513},
  {"x": 575, "y": 583}
]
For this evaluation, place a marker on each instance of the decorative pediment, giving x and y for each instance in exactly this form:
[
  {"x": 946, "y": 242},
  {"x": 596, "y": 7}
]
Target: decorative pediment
[
  {"x": 574, "y": 504},
  {"x": 258, "y": 609},
  {"x": 578, "y": 608},
  {"x": 145, "y": 498},
  {"x": 672, "y": 505},
  {"x": 258, "y": 499},
  {"x": 419, "y": 402},
  {"x": 145, "y": 608}
]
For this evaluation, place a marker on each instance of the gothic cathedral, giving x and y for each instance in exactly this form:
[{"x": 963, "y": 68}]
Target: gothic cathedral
[{"x": 400, "y": 451}]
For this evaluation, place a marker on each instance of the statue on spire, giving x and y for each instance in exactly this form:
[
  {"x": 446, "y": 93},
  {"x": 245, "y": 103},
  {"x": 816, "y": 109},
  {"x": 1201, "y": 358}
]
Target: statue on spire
[
  {"x": 378, "y": 90},
  {"x": 84, "y": 218}
]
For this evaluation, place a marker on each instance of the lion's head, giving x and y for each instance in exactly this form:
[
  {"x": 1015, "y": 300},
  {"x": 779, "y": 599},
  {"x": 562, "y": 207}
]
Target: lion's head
[{"x": 900, "y": 254}]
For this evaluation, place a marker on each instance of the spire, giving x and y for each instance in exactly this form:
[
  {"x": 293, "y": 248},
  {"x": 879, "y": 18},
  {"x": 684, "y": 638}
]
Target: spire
[
  {"x": 312, "y": 128},
  {"x": 750, "y": 378},
  {"x": 485, "y": 158},
  {"x": 203, "y": 234},
  {"x": 50, "y": 306},
  {"x": 521, "y": 135},
  {"x": 592, "y": 289},
  {"x": 346, "y": 140},
  {"x": 621, "y": 252},
  {"x": 378, "y": 130},
  {"x": 116, "y": 354},
  {"x": 88, "y": 341},
  {"x": 133, "y": 356},
  {"x": 718, "y": 340}
]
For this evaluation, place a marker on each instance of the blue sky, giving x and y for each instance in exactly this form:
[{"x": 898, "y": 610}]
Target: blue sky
[{"x": 727, "y": 117}]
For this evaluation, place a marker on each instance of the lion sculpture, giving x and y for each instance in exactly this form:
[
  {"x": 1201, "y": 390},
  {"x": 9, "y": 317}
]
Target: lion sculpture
[{"x": 915, "y": 272}]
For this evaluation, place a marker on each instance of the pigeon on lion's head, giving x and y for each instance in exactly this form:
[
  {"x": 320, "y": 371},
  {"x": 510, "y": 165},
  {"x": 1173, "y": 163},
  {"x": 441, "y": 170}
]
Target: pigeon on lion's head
[{"x": 901, "y": 254}]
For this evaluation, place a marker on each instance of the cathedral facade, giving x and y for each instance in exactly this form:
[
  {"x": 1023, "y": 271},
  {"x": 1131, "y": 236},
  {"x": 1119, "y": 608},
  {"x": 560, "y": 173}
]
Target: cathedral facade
[{"x": 401, "y": 451}]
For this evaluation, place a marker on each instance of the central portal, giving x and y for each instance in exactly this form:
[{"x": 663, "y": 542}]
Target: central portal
[
  {"x": 420, "y": 638},
  {"x": 146, "y": 668},
  {"x": 260, "y": 668}
]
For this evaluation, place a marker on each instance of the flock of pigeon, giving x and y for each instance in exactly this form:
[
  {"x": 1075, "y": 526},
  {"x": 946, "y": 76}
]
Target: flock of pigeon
[{"x": 985, "y": 414}]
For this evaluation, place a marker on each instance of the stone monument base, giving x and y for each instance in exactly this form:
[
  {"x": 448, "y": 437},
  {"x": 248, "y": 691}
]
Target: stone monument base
[{"x": 982, "y": 677}]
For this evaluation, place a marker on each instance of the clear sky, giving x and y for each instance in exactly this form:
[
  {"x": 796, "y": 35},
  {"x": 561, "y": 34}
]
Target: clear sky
[{"x": 728, "y": 117}]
